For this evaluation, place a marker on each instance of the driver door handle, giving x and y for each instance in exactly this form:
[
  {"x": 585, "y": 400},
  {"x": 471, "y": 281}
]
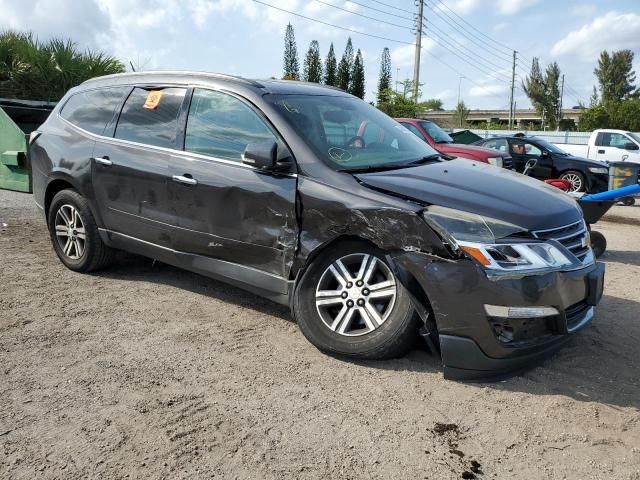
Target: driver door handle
[
  {"x": 102, "y": 161},
  {"x": 600, "y": 151},
  {"x": 184, "y": 179}
]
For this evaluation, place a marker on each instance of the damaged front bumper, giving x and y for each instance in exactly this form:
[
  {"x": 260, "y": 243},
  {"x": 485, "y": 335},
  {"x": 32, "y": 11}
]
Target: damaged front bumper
[{"x": 475, "y": 345}]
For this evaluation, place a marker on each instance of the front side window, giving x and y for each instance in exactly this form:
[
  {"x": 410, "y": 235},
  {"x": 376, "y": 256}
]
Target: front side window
[
  {"x": 150, "y": 116},
  {"x": 436, "y": 133},
  {"x": 93, "y": 109},
  {"x": 413, "y": 129},
  {"x": 349, "y": 134},
  {"x": 497, "y": 144},
  {"x": 221, "y": 126}
]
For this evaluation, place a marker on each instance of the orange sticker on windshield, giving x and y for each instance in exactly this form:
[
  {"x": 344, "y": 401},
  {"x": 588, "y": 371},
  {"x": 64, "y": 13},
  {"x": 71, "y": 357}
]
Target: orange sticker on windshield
[{"x": 153, "y": 100}]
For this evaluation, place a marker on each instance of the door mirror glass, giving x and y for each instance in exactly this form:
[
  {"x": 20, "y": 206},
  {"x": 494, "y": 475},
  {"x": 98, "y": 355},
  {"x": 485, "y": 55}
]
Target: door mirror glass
[
  {"x": 631, "y": 146},
  {"x": 264, "y": 156}
]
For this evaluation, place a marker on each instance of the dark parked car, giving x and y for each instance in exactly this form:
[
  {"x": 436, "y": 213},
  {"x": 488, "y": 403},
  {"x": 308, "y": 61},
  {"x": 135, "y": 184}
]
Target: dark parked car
[
  {"x": 552, "y": 162},
  {"x": 441, "y": 141},
  {"x": 315, "y": 199}
]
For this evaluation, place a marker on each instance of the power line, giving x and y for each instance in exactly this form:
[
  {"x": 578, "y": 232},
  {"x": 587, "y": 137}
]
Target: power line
[
  {"x": 392, "y": 6},
  {"x": 333, "y": 25},
  {"x": 382, "y": 11},
  {"x": 362, "y": 15},
  {"x": 488, "y": 63}
]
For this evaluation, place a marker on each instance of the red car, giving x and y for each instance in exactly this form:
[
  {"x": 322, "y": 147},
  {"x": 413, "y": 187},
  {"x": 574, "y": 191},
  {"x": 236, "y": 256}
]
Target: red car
[{"x": 443, "y": 143}]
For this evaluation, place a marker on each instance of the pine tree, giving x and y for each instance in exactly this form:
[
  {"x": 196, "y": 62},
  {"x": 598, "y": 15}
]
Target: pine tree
[
  {"x": 357, "y": 77},
  {"x": 384, "y": 82},
  {"x": 594, "y": 100},
  {"x": 330, "y": 68},
  {"x": 615, "y": 75},
  {"x": 345, "y": 66},
  {"x": 291, "y": 63},
  {"x": 313, "y": 64}
]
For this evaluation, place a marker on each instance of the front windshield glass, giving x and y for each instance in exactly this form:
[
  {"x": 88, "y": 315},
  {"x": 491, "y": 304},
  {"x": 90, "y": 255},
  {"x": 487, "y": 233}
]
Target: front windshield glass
[
  {"x": 550, "y": 146},
  {"x": 350, "y": 134},
  {"x": 435, "y": 132},
  {"x": 635, "y": 136}
]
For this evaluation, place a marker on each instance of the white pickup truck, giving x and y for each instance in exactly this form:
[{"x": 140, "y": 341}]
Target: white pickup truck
[{"x": 607, "y": 145}]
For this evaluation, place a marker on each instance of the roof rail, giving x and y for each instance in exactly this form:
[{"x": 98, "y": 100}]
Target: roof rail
[
  {"x": 302, "y": 82},
  {"x": 222, "y": 76}
]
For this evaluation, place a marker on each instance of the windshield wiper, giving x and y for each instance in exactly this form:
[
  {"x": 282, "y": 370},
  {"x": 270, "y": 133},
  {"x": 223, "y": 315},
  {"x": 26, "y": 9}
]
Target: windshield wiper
[{"x": 436, "y": 157}]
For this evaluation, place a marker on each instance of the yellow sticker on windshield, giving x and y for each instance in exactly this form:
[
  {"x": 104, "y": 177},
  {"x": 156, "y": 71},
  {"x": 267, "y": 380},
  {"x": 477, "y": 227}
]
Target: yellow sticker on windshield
[{"x": 153, "y": 100}]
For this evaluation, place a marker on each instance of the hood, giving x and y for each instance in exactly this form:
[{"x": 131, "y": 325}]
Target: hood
[
  {"x": 482, "y": 189},
  {"x": 587, "y": 163},
  {"x": 472, "y": 149}
]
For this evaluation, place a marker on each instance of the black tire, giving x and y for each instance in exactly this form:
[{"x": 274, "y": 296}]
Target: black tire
[
  {"x": 598, "y": 243},
  {"x": 393, "y": 338},
  {"x": 572, "y": 176},
  {"x": 628, "y": 201},
  {"x": 95, "y": 254}
]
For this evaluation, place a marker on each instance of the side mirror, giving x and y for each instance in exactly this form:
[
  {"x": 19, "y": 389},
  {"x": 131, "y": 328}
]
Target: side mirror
[
  {"x": 264, "y": 156},
  {"x": 631, "y": 146}
]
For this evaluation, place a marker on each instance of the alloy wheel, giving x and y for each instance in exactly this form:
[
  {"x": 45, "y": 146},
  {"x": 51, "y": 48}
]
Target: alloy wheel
[
  {"x": 575, "y": 180},
  {"x": 356, "y": 294},
  {"x": 70, "y": 232}
]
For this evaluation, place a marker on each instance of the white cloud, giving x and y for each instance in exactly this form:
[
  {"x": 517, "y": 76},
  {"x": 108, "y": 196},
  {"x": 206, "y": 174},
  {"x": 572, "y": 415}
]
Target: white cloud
[
  {"x": 404, "y": 56},
  {"x": 489, "y": 90},
  {"x": 511, "y": 7},
  {"x": 461, "y": 7},
  {"x": 613, "y": 31}
]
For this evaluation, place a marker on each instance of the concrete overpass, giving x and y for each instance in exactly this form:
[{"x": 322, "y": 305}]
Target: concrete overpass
[{"x": 480, "y": 117}]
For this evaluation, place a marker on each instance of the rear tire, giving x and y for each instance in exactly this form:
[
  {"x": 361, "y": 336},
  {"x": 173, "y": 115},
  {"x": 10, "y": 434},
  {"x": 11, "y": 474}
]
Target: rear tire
[
  {"x": 628, "y": 201},
  {"x": 367, "y": 314},
  {"x": 74, "y": 233},
  {"x": 576, "y": 179}
]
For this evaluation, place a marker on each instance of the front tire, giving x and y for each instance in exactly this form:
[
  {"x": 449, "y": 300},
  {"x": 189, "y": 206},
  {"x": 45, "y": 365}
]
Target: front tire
[
  {"x": 74, "y": 233},
  {"x": 350, "y": 303},
  {"x": 576, "y": 179}
]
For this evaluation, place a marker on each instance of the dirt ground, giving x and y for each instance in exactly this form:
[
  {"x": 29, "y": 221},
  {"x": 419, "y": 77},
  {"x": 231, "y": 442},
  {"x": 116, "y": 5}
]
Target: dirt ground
[{"x": 147, "y": 371}]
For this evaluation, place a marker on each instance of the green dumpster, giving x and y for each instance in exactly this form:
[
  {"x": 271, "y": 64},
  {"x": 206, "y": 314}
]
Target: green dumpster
[{"x": 15, "y": 172}]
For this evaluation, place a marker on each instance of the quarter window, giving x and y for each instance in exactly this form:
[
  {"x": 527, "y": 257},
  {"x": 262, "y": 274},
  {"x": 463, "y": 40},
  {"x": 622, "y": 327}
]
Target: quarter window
[
  {"x": 93, "y": 109},
  {"x": 150, "y": 116},
  {"x": 221, "y": 126}
]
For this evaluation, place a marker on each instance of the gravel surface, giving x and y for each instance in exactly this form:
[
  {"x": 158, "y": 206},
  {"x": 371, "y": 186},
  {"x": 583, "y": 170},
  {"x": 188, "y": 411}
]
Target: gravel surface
[{"x": 147, "y": 371}]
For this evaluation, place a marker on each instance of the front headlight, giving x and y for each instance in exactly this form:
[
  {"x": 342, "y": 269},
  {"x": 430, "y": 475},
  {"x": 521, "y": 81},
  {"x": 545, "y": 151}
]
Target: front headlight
[
  {"x": 495, "y": 161},
  {"x": 602, "y": 170},
  {"x": 486, "y": 240}
]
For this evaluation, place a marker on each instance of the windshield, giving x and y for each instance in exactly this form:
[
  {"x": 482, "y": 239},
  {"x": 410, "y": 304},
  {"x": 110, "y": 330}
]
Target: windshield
[
  {"x": 550, "y": 146},
  {"x": 350, "y": 134},
  {"x": 635, "y": 136},
  {"x": 436, "y": 133}
]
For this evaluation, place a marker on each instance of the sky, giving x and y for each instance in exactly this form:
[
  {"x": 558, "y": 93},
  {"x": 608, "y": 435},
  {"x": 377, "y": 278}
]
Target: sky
[{"x": 467, "y": 44}]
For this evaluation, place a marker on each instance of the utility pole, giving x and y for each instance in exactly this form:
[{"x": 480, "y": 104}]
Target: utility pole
[
  {"x": 416, "y": 60},
  {"x": 397, "y": 78},
  {"x": 458, "y": 105},
  {"x": 560, "y": 104},
  {"x": 512, "y": 112}
]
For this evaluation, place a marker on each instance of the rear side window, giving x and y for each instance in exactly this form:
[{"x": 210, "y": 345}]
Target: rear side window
[
  {"x": 151, "y": 116},
  {"x": 221, "y": 126},
  {"x": 497, "y": 144},
  {"x": 413, "y": 129},
  {"x": 92, "y": 110}
]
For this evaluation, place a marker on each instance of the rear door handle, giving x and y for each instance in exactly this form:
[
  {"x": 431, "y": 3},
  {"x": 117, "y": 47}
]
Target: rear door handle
[
  {"x": 184, "y": 179},
  {"x": 600, "y": 151},
  {"x": 102, "y": 161}
]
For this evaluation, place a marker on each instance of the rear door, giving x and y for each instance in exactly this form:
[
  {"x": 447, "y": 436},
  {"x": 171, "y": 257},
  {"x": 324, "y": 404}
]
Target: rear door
[
  {"x": 130, "y": 171},
  {"x": 223, "y": 208}
]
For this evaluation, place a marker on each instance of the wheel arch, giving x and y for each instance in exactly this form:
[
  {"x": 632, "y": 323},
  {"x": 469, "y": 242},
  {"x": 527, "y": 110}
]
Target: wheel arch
[{"x": 63, "y": 182}]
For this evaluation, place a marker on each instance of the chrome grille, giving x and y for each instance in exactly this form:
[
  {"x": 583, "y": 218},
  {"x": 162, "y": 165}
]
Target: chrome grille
[{"x": 572, "y": 236}]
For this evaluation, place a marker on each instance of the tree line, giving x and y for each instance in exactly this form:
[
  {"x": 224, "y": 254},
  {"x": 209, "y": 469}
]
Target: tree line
[
  {"x": 35, "y": 70},
  {"x": 348, "y": 74}
]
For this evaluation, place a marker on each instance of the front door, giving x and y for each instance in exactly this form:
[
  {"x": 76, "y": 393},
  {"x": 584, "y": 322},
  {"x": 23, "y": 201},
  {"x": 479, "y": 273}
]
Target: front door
[
  {"x": 223, "y": 208},
  {"x": 130, "y": 172}
]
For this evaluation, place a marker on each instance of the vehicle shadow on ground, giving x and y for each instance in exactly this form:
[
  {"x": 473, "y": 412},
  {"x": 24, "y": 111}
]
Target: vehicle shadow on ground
[
  {"x": 628, "y": 257},
  {"x": 133, "y": 267},
  {"x": 599, "y": 365}
]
